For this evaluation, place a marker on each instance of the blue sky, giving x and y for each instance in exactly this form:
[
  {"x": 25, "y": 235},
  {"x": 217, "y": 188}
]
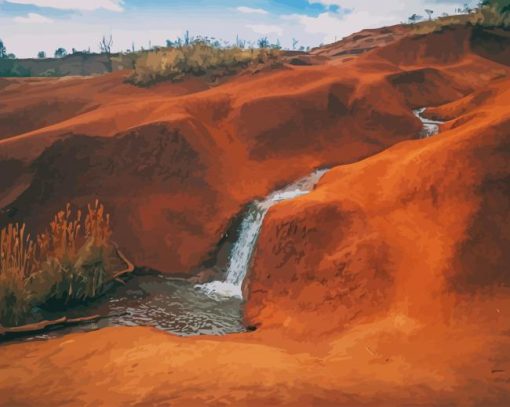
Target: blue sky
[{"x": 29, "y": 26}]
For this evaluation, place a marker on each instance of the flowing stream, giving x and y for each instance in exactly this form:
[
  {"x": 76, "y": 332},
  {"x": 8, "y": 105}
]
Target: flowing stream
[
  {"x": 430, "y": 127},
  {"x": 180, "y": 307},
  {"x": 176, "y": 305},
  {"x": 240, "y": 257}
]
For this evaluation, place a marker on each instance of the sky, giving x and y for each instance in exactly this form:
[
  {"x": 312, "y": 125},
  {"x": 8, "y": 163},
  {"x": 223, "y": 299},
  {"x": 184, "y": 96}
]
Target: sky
[{"x": 30, "y": 26}]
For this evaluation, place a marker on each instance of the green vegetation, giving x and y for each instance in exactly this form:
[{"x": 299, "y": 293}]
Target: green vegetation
[
  {"x": 60, "y": 53},
  {"x": 495, "y": 13},
  {"x": 3, "y": 52},
  {"x": 12, "y": 68},
  {"x": 68, "y": 263}
]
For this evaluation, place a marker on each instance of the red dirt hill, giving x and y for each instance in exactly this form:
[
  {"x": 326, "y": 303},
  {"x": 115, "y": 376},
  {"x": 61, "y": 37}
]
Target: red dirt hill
[
  {"x": 411, "y": 229},
  {"x": 175, "y": 163},
  {"x": 387, "y": 285}
]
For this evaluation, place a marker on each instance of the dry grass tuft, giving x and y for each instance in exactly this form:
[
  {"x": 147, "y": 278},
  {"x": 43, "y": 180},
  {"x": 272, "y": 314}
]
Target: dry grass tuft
[
  {"x": 427, "y": 27},
  {"x": 67, "y": 263},
  {"x": 491, "y": 13},
  {"x": 61, "y": 239},
  {"x": 17, "y": 262},
  {"x": 197, "y": 58},
  {"x": 97, "y": 224}
]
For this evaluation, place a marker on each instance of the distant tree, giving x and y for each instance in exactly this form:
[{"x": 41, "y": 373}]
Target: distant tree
[
  {"x": 294, "y": 44},
  {"x": 187, "y": 38},
  {"x": 105, "y": 45},
  {"x": 496, "y": 12},
  {"x": 415, "y": 18},
  {"x": 240, "y": 43},
  {"x": 3, "y": 50},
  {"x": 263, "y": 42},
  {"x": 60, "y": 52},
  {"x": 500, "y": 6},
  {"x": 276, "y": 45},
  {"x": 429, "y": 13},
  {"x": 11, "y": 56},
  {"x": 41, "y": 55}
]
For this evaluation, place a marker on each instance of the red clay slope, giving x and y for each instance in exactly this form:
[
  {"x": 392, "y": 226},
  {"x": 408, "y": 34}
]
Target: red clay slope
[
  {"x": 386, "y": 286},
  {"x": 414, "y": 229},
  {"x": 175, "y": 163}
]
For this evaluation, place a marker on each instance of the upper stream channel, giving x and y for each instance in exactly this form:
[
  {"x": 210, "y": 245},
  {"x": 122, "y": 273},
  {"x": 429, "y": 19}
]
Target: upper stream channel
[{"x": 180, "y": 306}]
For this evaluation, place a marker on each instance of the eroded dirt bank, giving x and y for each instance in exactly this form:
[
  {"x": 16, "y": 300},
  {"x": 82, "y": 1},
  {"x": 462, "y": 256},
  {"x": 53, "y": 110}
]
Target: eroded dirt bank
[
  {"x": 175, "y": 163},
  {"x": 387, "y": 285}
]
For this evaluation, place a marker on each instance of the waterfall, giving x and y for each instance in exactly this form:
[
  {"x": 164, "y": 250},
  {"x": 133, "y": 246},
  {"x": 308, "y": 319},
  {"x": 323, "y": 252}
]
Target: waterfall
[
  {"x": 241, "y": 254},
  {"x": 430, "y": 127}
]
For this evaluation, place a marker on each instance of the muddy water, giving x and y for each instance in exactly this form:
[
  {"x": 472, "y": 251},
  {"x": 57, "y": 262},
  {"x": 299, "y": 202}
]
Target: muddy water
[{"x": 171, "y": 305}]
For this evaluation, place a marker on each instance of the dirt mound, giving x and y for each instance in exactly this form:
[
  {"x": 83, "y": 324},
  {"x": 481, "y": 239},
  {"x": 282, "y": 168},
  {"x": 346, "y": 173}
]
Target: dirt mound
[
  {"x": 39, "y": 115},
  {"x": 164, "y": 166},
  {"x": 428, "y": 86},
  {"x": 491, "y": 44},
  {"x": 387, "y": 285},
  {"x": 447, "y": 46},
  {"x": 176, "y": 162},
  {"x": 412, "y": 229},
  {"x": 318, "y": 266}
]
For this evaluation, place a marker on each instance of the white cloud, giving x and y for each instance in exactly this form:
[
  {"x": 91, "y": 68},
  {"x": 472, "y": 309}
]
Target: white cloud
[
  {"x": 266, "y": 29},
  {"x": 84, "y": 5},
  {"x": 334, "y": 26},
  {"x": 33, "y": 18},
  {"x": 355, "y": 15},
  {"x": 250, "y": 10},
  {"x": 393, "y": 8}
]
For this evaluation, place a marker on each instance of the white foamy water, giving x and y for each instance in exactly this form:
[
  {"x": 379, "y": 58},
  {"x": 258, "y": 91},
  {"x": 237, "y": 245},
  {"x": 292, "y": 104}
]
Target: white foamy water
[
  {"x": 430, "y": 127},
  {"x": 240, "y": 257},
  {"x": 239, "y": 261}
]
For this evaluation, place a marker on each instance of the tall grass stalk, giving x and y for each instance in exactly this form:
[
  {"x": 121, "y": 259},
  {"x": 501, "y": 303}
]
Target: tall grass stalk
[
  {"x": 67, "y": 263},
  {"x": 17, "y": 262}
]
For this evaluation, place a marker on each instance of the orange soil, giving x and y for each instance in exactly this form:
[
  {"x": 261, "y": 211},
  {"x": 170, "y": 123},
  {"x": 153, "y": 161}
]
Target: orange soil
[
  {"x": 387, "y": 285},
  {"x": 173, "y": 197}
]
